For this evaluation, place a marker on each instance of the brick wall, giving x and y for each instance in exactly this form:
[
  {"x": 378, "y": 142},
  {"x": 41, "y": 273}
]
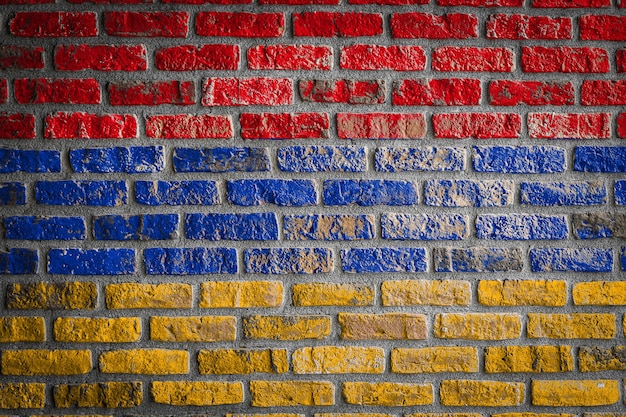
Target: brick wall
[{"x": 313, "y": 207}]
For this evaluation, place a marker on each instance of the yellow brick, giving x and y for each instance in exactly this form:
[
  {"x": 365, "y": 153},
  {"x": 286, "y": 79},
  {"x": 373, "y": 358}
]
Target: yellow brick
[
  {"x": 426, "y": 292},
  {"x": 198, "y": 393},
  {"x": 46, "y": 362},
  {"x": 193, "y": 329},
  {"x": 575, "y": 393},
  {"x": 352, "y": 415},
  {"x": 478, "y": 326},
  {"x": 72, "y": 415},
  {"x": 600, "y": 293},
  {"x": 390, "y": 394},
  {"x": 315, "y": 294},
  {"x": 444, "y": 415},
  {"x": 387, "y": 326},
  {"x": 532, "y": 415},
  {"x": 104, "y": 330},
  {"x": 286, "y": 327},
  {"x": 52, "y": 295},
  {"x": 103, "y": 394},
  {"x": 243, "y": 361},
  {"x": 599, "y": 358},
  {"x": 481, "y": 393},
  {"x": 266, "y": 415},
  {"x": 515, "y": 292},
  {"x": 131, "y": 295},
  {"x": 145, "y": 361},
  {"x": 291, "y": 393},
  {"x": 528, "y": 359},
  {"x": 604, "y": 414},
  {"x": 338, "y": 360},
  {"x": 22, "y": 329},
  {"x": 434, "y": 359},
  {"x": 571, "y": 326},
  {"x": 20, "y": 395},
  {"x": 241, "y": 294}
]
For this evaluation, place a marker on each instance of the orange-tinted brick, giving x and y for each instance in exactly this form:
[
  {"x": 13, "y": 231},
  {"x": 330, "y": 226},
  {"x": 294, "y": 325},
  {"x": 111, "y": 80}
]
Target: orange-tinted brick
[
  {"x": 478, "y": 326},
  {"x": 243, "y": 361},
  {"x": 387, "y": 326},
  {"x": 291, "y": 393}
]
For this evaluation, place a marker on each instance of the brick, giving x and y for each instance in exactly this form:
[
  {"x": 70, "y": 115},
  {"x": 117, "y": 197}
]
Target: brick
[
  {"x": 389, "y": 394},
  {"x": 4, "y": 90},
  {"x": 46, "y": 362},
  {"x": 477, "y": 259},
  {"x": 468, "y": 193},
  {"x": 379, "y": 57},
  {"x": 603, "y": 93},
  {"x": 110, "y": 1},
  {"x": 379, "y": 260},
  {"x": 571, "y": 326},
  {"x": 193, "y": 58},
  {"x": 221, "y": 159},
  {"x": 207, "y": 1},
  {"x": 569, "y": 126},
  {"x": 316, "y": 294},
  {"x": 53, "y": 24},
  {"x": 602, "y": 27},
  {"x": 328, "y": 227},
  {"x": 477, "y": 125},
  {"x": 522, "y": 27},
  {"x": 22, "y": 329},
  {"x": 292, "y": 393},
  {"x": 458, "y": 415},
  {"x": 298, "y": 192},
  {"x": 481, "y": 393},
  {"x": 540, "y": 359},
  {"x": 247, "y": 91},
  {"x": 381, "y": 126},
  {"x": 619, "y": 193},
  {"x": 193, "y": 329},
  {"x": 80, "y": 125},
  {"x": 190, "y": 261},
  {"x": 176, "y": 193},
  {"x": 17, "y": 126},
  {"x": 472, "y": 59},
  {"x": 422, "y": 159},
  {"x": 100, "y": 57},
  {"x": 338, "y": 360},
  {"x": 351, "y": 415},
  {"x": 600, "y": 158},
  {"x": 322, "y": 159},
  {"x": 289, "y": 260},
  {"x": 436, "y": 92},
  {"x": 389, "y": 2},
  {"x": 60, "y": 91},
  {"x": 98, "y": 329},
  {"x": 197, "y": 393},
  {"x": 599, "y": 358},
  {"x": 52, "y": 295},
  {"x": 151, "y": 93},
  {"x": 284, "y": 125},
  {"x": 520, "y": 292},
  {"x": 136, "y": 227},
  {"x": 187, "y": 126},
  {"x": 22, "y": 395},
  {"x": 532, "y": 93},
  {"x": 398, "y": 226},
  {"x": 241, "y": 294},
  {"x": 538, "y": 59},
  {"x": 296, "y": 327},
  {"x": 132, "y": 295},
  {"x": 218, "y": 226},
  {"x": 601, "y": 293},
  {"x": 75, "y": 261},
  {"x": 598, "y": 225},
  {"x": 81, "y": 193},
  {"x": 298, "y": 2},
  {"x": 571, "y": 260},
  {"x": 44, "y": 228},
  {"x": 521, "y": 227},
  {"x": 620, "y": 56},
  {"x": 145, "y": 361},
  {"x": 414, "y": 292},
  {"x": 242, "y": 25},
  {"x": 100, "y": 394},
  {"x": 425, "y": 25},
  {"x": 333, "y": 24},
  {"x": 147, "y": 24},
  {"x": 130, "y": 160},
  {"x": 342, "y": 91},
  {"x": 370, "y": 192},
  {"x": 566, "y": 4},
  {"x": 21, "y": 57},
  {"x": 518, "y": 159},
  {"x": 569, "y": 393},
  {"x": 478, "y": 326},
  {"x": 290, "y": 57},
  {"x": 388, "y": 326},
  {"x": 563, "y": 193},
  {"x": 243, "y": 361},
  {"x": 18, "y": 261},
  {"x": 434, "y": 360},
  {"x": 481, "y": 3}
]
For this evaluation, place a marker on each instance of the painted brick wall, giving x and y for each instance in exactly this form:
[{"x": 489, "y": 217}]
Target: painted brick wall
[{"x": 313, "y": 208}]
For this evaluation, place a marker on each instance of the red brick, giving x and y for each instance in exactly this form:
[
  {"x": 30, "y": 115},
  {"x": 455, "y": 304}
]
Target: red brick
[
  {"x": 443, "y": 92},
  {"x": 111, "y": 1},
  {"x": 569, "y": 125},
  {"x": 187, "y": 126},
  {"x": 459, "y": 58},
  {"x": 377, "y": 57},
  {"x": 17, "y": 126},
  {"x": 603, "y": 93},
  {"x": 534, "y": 93},
  {"x": 570, "y": 4},
  {"x": 429, "y": 26},
  {"x": 330, "y": 24},
  {"x": 477, "y": 125},
  {"x": 21, "y": 57},
  {"x": 290, "y": 57},
  {"x": 299, "y": 2},
  {"x": 602, "y": 28},
  {"x": 343, "y": 91},
  {"x": 247, "y": 91},
  {"x": 4, "y": 90},
  {"x": 243, "y": 25},
  {"x": 519, "y": 26},
  {"x": 381, "y": 126},
  {"x": 207, "y": 1},
  {"x": 390, "y": 2},
  {"x": 192, "y": 58},
  {"x": 564, "y": 59},
  {"x": 621, "y": 125},
  {"x": 100, "y": 57},
  {"x": 284, "y": 125},
  {"x": 3, "y": 2},
  {"x": 482, "y": 3},
  {"x": 151, "y": 93},
  {"x": 54, "y": 24},
  {"x": 148, "y": 24},
  {"x": 61, "y": 91},
  {"x": 620, "y": 56},
  {"x": 63, "y": 125}
]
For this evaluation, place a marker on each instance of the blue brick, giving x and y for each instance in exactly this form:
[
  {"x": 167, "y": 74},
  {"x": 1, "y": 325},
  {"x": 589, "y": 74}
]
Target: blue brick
[
  {"x": 322, "y": 159},
  {"x": 571, "y": 260},
  {"x": 91, "y": 261},
  {"x": 221, "y": 160},
  {"x": 600, "y": 158},
  {"x": 289, "y": 260},
  {"x": 518, "y": 159},
  {"x": 468, "y": 193},
  {"x": 361, "y": 260},
  {"x": 370, "y": 192},
  {"x": 623, "y": 258},
  {"x": 130, "y": 160},
  {"x": 563, "y": 194},
  {"x": 420, "y": 159},
  {"x": 44, "y": 228},
  {"x": 397, "y": 226},
  {"x": 329, "y": 227},
  {"x": 138, "y": 227},
  {"x": 77, "y": 193},
  {"x": 12, "y": 194},
  {"x": 18, "y": 261},
  {"x": 272, "y": 191},
  {"x": 620, "y": 192},
  {"x": 521, "y": 227},
  {"x": 32, "y": 161},
  {"x": 477, "y": 259},
  {"x": 176, "y": 193},
  {"x": 217, "y": 226},
  {"x": 190, "y": 261}
]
